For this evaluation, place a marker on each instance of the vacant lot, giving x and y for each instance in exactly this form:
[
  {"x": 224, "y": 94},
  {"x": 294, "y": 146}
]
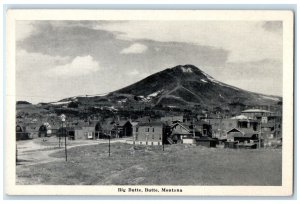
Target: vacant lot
[{"x": 141, "y": 165}]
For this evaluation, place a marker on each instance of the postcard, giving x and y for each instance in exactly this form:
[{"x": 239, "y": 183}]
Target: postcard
[{"x": 149, "y": 102}]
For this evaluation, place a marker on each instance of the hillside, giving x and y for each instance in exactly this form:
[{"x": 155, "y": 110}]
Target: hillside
[
  {"x": 181, "y": 87},
  {"x": 188, "y": 85}
]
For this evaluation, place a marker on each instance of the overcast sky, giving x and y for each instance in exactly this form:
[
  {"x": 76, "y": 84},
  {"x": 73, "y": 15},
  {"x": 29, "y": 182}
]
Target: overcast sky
[{"x": 59, "y": 59}]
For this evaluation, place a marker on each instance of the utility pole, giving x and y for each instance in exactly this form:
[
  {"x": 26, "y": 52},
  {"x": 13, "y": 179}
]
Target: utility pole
[
  {"x": 66, "y": 145},
  {"x": 163, "y": 144},
  {"x": 109, "y": 146},
  {"x": 193, "y": 128},
  {"x": 259, "y": 136},
  {"x": 63, "y": 119},
  {"x": 60, "y": 135}
]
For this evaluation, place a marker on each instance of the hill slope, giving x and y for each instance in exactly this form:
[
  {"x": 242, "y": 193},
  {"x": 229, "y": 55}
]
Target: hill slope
[
  {"x": 188, "y": 85},
  {"x": 180, "y": 86}
]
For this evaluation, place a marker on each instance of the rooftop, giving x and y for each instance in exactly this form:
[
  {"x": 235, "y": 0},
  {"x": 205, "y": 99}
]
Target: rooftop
[{"x": 255, "y": 111}]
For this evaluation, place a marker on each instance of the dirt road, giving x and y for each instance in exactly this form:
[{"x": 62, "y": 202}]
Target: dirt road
[{"x": 36, "y": 151}]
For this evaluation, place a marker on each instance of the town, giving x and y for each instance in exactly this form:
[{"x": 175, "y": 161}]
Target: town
[{"x": 251, "y": 128}]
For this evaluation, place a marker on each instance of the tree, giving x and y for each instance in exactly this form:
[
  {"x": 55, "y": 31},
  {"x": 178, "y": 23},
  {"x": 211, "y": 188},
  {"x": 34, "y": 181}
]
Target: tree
[{"x": 73, "y": 105}]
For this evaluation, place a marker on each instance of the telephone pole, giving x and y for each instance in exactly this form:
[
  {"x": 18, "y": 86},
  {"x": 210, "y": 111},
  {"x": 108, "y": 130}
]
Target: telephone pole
[
  {"x": 193, "y": 128},
  {"x": 63, "y": 119},
  {"x": 109, "y": 146},
  {"x": 259, "y": 136}
]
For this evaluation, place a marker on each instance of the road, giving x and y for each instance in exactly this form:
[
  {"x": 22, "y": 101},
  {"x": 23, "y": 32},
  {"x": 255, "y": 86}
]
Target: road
[{"x": 36, "y": 151}]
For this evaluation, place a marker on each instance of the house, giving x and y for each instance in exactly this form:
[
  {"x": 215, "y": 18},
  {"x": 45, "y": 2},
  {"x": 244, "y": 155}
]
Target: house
[
  {"x": 198, "y": 133},
  {"x": 150, "y": 133},
  {"x": 42, "y": 131},
  {"x": 21, "y": 133},
  {"x": 110, "y": 129},
  {"x": 31, "y": 129},
  {"x": 85, "y": 132},
  {"x": 124, "y": 128},
  {"x": 270, "y": 133},
  {"x": 220, "y": 126},
  {"x": 99, "y": 131},
  {"x": 179, "y": 132},
  {"x": 256, "y": 113},
  {"x": 242, "y": 138},
  {"x": 91, "y": 129},
  {"x": 54, "y": 128},
  {"x": 242, "y": 135},
  {"x": 202, "y": 128}
]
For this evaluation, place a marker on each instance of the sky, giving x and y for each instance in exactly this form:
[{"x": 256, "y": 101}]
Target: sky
[{"x": 60, "y": 59}]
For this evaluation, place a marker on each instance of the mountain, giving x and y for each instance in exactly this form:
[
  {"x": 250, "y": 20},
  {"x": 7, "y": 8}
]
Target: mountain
[
  {"x": 188, "y": 85},
  {"x": 180, "y": 86}
]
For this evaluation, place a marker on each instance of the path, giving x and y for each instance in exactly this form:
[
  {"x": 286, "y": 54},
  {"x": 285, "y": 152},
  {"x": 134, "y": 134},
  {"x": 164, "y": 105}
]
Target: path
[{"x": 31, "y": 153}]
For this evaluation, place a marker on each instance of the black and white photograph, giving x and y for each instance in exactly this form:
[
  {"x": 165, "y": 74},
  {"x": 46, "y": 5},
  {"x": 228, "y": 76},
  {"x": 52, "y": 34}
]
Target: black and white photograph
[{"x": 151, "y": 102}]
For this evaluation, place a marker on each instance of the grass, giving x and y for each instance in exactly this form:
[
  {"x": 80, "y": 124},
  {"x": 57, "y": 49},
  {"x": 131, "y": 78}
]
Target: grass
[{"x": 145, "y": 165}]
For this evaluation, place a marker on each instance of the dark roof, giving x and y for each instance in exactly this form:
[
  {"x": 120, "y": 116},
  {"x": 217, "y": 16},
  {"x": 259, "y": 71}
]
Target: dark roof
[
  {"x": 123, "y": 122},
  {"x": 243, "y": 130}
]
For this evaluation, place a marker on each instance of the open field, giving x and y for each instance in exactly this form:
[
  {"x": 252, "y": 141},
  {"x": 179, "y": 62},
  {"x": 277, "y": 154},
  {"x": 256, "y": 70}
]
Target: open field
[{"x": 146, "y": 165}]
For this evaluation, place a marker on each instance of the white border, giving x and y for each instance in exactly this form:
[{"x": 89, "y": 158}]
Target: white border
[{"x": 287, "y": 152}]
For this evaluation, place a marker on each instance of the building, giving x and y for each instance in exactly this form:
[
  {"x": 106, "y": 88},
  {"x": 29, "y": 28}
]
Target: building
[
  {"x": 202, "y": 129},
  {"x": 135, "y": 129},
  {"x": 256, "y": 113},
  {"x": 242, "y": 135},
  {"x": 32, "y": 130},
  {"x": 220, "y": 126},
  {"x": 21, "y": 133},
  {"x": 124, "y": 128},
  {"x": 42, "y": 131},
  {"x": 179, "y": 132},
  {"x": 150, "y": 133},
  {"x": 110, "y": 129},
  {"x": 85, "y": 132}
]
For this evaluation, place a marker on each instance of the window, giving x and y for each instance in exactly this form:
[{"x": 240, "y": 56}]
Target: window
[
  {"x": 147, "y": 129},
  {"x": 136, "y": 129},
  {"x": 152, "y": 129}
]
